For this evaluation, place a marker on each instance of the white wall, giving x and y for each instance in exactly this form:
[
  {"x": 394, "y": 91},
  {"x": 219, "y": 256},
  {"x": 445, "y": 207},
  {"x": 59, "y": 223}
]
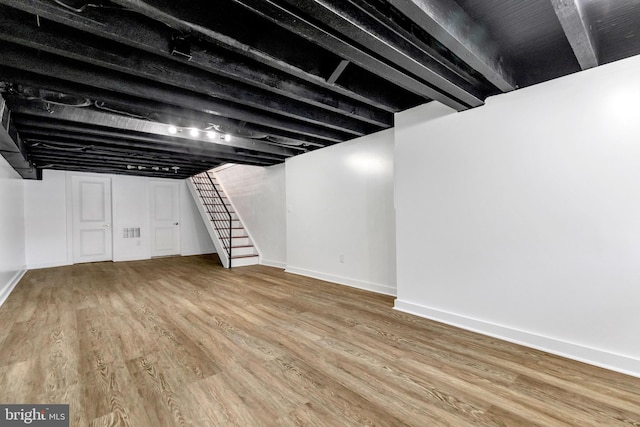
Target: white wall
[
  {"x": 194, "y": 237},
  {"x": 12, "y": 234},
  {"x": 521, "y": 219},
  {"x": 258, "y": 195},
  {"x": 48, "y": 220},
  {"x": 45, "y": 206},
  {"x": 340, "y": 202}
]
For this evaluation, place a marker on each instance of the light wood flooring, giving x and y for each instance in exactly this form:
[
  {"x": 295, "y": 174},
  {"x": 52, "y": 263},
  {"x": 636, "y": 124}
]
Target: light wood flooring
[{"x": 182, "y": 341}]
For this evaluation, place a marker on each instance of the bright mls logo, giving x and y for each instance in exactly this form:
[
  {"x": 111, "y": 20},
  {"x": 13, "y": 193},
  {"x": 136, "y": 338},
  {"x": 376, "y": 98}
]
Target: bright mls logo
[{"x": 34, "y": 415}]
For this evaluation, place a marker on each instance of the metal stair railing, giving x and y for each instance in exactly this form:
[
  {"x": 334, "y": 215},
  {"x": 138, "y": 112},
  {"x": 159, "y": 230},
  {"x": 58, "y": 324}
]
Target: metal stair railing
[{"x": 221, "y": 218}]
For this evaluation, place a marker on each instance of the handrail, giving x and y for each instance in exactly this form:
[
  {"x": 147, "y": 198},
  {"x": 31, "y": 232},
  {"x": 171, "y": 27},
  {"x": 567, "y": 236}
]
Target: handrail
[
  {"x": 215, "y": 215},
  {"x": 228, "y": 215}
]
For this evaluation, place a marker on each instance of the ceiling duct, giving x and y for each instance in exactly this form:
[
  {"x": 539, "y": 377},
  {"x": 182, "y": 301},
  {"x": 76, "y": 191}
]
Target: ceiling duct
[
  {"x": 285, "y": 141},
  {"x": 45, "y": 95},
  {"x": 58, "y": 98},
  {"x": 12, "y": 148}
]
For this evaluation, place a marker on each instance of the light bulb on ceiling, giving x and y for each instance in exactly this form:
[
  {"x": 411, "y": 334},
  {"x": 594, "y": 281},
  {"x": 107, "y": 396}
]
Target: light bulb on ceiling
[
  {"x": 172, "y": 130},
  {"x": 194, "y": 132}
]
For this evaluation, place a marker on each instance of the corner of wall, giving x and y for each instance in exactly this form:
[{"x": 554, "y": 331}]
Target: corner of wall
[{"x": 9, "y": 287}]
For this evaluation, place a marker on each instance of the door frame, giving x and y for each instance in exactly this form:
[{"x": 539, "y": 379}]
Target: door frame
[
  {"x": 151, "y": 203},
  {"x": 69, "y": 204}
]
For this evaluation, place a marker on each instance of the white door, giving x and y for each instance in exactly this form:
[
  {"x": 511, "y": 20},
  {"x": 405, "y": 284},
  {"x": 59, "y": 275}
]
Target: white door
[
  {"x": 92, "y": 235},
  {"x": 165, "y": 218}
]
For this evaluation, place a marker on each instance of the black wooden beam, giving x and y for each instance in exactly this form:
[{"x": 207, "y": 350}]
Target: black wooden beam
[
  {"x": 354, "y": 23},
  {"x": 40, "y": 149},
  {"x": 298, "y": 24},
  {"x": 194, "y": 19},
  {"x": 46, "y": 126},
  {"x": 48, "y": 65},
  {"x": 261, "y": 69},
  {"x": 119, "y": 171},
  {"x": 128, "y": 144},
  {"x": 42, "y": 158},
  {"x": 90, "y": 117},
  {"x": 338, "y": 71},
  {"x": 58, "y": 134},
  {"x": 578, "y": 32},
  {"x": 153, "y": 110},
  {"x": 43, "y": 144},
  {"x": 448, "y": 23},
  {"x": 18, "y": 28}
]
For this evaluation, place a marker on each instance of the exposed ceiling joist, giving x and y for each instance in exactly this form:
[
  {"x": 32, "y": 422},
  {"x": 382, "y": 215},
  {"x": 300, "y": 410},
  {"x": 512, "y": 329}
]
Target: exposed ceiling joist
[
  {"x": 60, "y": 134},
  {"x": 289, "y": 20},
  {"x": 346, "y": 17},
  {"x": 296, "y": 22},
  {"x": 448, "y": 23},
  {"x": 338, "y": 71},
  {"x": 270, "y": 79},
  {"x": 29, "y": 60},
  {"x": 578, "y": 32},
  {"x": 20, "y": 30},
  {"x": 89, "y": 117},
  {"x": 158, "y": 111},
  {"x": 267, "y": 71}
]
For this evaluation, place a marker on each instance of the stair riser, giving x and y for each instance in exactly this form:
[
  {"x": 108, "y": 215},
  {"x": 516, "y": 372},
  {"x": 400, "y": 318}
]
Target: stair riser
[
  {"x": 238, "y": 232},
  {"x": 240, "y": 241},
  {"x": 241, "y": 262},
  {"x": 243, "y": 251}
]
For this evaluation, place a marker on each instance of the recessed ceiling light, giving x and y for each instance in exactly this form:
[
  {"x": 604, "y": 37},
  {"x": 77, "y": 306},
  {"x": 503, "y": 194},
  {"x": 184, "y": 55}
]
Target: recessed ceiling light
[
  {"x": 173, "y": 130},
  {"x": 227, "y": 137},
  {"x": 194, "y": 132},
  {"x": 211, "y": 134}
]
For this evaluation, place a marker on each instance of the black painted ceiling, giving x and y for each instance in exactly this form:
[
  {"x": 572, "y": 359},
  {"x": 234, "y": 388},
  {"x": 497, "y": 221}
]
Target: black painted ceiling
[{"x": 170, "y": 88}]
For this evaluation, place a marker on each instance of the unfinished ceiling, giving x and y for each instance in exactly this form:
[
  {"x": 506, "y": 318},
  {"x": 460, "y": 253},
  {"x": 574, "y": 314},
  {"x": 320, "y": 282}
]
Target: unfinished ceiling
[{"x": 166, "y": 88}]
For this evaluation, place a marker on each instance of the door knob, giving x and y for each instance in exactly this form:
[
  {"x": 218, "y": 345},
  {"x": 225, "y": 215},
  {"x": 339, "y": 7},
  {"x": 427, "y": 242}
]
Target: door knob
[
  {"x": 107, "y": 225},
  {"x": 176, "y": 223}
]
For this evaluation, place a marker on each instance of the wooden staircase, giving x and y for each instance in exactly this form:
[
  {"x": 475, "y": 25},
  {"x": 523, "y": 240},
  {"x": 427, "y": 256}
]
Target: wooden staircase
[{"x": 227, "y": 232}]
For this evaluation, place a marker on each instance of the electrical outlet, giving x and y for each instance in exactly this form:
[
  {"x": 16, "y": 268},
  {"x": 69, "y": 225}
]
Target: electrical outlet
[{"x": 341, "y": 258}]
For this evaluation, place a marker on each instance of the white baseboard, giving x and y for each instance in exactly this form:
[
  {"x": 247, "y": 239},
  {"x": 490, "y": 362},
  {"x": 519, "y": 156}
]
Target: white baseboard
[
  {"x": 131, "y": 258},
  {"x": 193, "y": 253},
  {"x": 373, "y": 287},
  {"x": 276, "y": 264},
  {"x": 6, "y": 290},
  {"x": 48, "y": 265},
  {"x": 604, "y": 359}
]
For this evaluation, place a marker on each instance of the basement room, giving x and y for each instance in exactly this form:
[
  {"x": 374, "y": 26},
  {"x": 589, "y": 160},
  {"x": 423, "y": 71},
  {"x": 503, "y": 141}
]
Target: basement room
[{"x": 319, "y": 213}]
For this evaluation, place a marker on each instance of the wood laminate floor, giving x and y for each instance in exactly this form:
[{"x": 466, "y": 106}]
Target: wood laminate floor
[{"x": 182, "y": 341}]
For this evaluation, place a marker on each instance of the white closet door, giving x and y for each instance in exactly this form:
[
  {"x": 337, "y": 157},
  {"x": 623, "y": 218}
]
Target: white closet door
[
  {"x": 165, "y": 218},
  {"x": 92, "y": 231}
]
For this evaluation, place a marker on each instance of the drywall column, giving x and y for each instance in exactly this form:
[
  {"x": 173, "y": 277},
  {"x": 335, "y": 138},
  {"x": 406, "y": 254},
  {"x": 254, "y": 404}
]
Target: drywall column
[{"x": 340, "y": 217}]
